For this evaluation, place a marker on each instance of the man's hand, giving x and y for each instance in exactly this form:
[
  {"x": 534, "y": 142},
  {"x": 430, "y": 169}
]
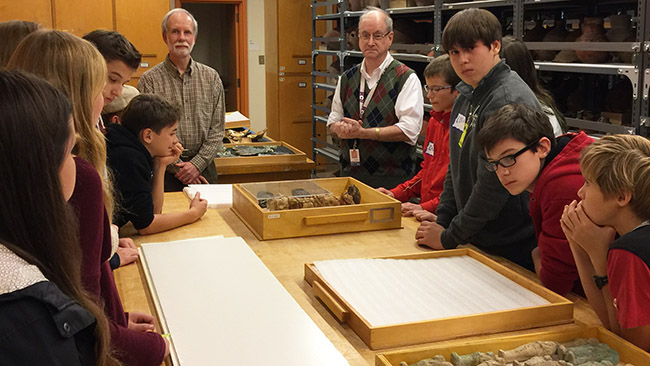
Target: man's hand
[
  {"x": 188, "y": 173},
  {"x": 409, "y": 209},
  {"x": 428, "y": 234},
  {"x": 173, "y": 156},
  {"x": 140, "y": 322},
  {"x": 127, "y": 251},
  {"x": 200, "y": 180},
  {"x": 424, "y": 215},
  {"x": 347, "y": 128}
]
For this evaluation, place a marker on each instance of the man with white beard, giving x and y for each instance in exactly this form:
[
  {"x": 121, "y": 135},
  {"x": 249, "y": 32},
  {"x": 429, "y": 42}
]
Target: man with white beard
[{"x": 196, "y": 89}]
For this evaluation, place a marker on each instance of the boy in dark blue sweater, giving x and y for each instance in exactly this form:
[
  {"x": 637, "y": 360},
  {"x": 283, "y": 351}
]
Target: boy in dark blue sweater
[{"x": 138, "y": 151}]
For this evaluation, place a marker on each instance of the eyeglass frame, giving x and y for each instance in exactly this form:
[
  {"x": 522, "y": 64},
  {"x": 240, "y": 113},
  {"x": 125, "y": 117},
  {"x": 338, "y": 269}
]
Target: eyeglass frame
[
  {"x": 492, "y": 166},
  {"x": 436, "y": 89},
  {"x": 375, "y": 37}
]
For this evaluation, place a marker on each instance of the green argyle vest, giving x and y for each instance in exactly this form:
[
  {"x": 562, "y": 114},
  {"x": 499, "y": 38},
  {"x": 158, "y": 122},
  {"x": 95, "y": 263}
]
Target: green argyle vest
[{"x": 382, "y": 163}]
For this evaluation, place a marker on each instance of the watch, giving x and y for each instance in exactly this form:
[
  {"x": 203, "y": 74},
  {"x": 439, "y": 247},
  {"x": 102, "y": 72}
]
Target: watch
[{"x": 600, "y": 281}]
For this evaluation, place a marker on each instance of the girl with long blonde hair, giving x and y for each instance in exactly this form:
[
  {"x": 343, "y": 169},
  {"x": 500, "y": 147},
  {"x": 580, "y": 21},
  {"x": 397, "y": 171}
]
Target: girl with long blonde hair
[{"x": 75, "y": 67}]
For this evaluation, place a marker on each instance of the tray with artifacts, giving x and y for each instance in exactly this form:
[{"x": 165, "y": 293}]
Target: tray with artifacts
[
  {"x": 286, "y": 209},
  {"x": 257, "y": 153},
  {"x": 419, "y": 298},
  {"x": 579, "y": 346}
]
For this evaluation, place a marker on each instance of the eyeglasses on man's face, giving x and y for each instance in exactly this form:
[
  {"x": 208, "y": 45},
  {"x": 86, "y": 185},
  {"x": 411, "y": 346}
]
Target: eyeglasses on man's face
[
  {"x": 510, "y": 160},
  {"x": 435, "y": 89},
  {"x": 375, "y": 36}
]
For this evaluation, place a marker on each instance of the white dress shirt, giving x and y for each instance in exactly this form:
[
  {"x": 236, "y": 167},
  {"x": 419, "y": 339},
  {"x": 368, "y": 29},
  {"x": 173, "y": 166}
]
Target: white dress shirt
[{"x": 409, "y": 107}]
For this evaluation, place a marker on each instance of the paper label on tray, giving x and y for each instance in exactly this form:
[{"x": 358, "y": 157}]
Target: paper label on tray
[{"x": 273, "y": 216}]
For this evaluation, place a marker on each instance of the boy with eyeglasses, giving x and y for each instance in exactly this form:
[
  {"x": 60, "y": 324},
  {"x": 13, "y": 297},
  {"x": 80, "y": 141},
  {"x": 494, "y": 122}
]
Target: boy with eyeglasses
[
  {"x": 474, "y": 207},
  {"x": 520, "y": 147},
  {"x": 377, "y": 109},
  {"x": 427, "y": 183}
]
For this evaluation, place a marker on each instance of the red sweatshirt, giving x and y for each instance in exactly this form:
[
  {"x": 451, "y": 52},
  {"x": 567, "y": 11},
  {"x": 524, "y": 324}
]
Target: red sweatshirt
[
  {"x": 427, "y": 183},
  {"x": 132, "y": 348},
  {"x": 556, "y": 186}
]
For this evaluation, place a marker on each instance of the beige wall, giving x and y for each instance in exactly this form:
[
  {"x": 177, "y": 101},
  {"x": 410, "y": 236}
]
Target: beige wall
[{"x": 256, "y": 73}]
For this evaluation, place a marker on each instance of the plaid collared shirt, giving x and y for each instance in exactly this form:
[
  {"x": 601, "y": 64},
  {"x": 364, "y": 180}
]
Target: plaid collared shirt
[{"x": 200, "y": 95}]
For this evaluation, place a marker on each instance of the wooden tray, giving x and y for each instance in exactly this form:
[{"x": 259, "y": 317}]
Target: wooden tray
[
  {"x": 376, "y": 211},
  {"x": 628, "y": 352},
  {"x": 225, "y": 164},
  {"x": 559, "y": 311}
]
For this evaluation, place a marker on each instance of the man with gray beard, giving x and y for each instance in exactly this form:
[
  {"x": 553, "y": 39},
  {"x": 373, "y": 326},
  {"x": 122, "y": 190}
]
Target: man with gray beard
[{"x": 197, "y": 90}]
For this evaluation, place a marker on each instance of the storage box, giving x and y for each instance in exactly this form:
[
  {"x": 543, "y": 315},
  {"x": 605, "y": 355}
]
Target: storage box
[
  {"x": 627, "y": 351},
  {"x": 236, "y": 119},
  {"x": 241, "y": 169},
  {"x": 558, "y": 311},
  {"x": 375, "y": 211}
]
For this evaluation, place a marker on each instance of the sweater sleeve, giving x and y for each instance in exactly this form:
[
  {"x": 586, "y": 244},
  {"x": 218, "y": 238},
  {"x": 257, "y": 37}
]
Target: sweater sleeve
[
  {"x": 430, "y": 205},
  {"x": 409, "y": 189},
  {"x": 132, "y": 175},
  {"x": 137, "y": 348}
]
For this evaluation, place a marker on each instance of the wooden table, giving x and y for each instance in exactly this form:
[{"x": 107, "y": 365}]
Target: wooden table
[{"x": 285, "y": 258}]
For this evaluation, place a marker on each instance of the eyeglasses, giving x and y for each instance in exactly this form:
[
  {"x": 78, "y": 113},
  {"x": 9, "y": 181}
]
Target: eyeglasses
[
  {"x": 510, "y": 160},
  {"x": 376, "y": 37},
  {"x": 435, "y": 89}
]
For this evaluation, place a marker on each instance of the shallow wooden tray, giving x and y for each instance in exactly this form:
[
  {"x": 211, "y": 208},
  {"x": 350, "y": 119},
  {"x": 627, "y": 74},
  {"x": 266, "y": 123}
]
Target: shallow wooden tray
[
  {"x": 628, "y": 352},
  {"x": 375, "y": 212},
  {"x": 224, "y": 164},
  {"x": 559, "y": 311}
]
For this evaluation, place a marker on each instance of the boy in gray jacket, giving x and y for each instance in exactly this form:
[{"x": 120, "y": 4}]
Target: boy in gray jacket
[{"x": 474, "y": 207}]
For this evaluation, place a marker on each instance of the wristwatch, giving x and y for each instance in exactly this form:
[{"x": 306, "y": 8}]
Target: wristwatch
[{"x": 600, "y": 281}]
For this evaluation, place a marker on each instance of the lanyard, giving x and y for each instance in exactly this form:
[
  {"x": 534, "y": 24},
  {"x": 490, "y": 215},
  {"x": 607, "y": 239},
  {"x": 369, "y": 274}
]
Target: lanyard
[{"x": 363, "y": 102}]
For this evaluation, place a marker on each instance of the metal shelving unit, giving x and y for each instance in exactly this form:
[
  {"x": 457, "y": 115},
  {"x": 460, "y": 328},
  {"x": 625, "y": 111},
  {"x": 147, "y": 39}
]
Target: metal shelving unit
[{"x": 637, "y": 72}]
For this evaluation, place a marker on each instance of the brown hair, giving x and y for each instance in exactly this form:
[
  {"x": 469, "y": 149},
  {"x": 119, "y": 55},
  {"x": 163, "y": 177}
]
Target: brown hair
[
  {"x": 441, "y": 66},
  {"x": 11, "y": 33},
  {"x": 35, "y": 221},
  {"x": 516, "y": 121},
  {"x": 75, "y": 67},
  {"x": 471, "y": 25},
  {"x": 520, "y": 61},
  {"x": 619, "y": 164}
]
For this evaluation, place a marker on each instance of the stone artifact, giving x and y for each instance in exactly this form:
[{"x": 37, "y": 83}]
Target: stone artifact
[
  {"x": 474, "y": 359},
  {"x": 522, "y": 353},
  {"x": 592, "y": 31},
  {"x": 263, "y": 197},
  {"x": 301, "y": 198},
  {"x": 568, "y": 56},
  {"x": 579, "y": 352},
  {"x": 557, "y": 34},
  {"x": 436, "y": 360},
  {"x": 588, "y": 353},
  {"x": 620, "y": 31}
]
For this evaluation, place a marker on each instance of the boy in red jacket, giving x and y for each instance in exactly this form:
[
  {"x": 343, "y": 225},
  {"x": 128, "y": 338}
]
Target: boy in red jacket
[
  {"x": 521, "y": 148},
  {"x": 441, "y": 80}
]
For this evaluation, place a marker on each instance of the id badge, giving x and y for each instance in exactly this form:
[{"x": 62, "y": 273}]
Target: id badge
[{"x": 355, "y": 160}]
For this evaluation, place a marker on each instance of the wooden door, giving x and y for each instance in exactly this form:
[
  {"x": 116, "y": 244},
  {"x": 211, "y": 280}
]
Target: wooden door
[
  {"x": 140, "y": 22},
  {"x": 39, "y": 11},
  {"x": 82, "y": 16},
  {"x": 240, "y": 49},
  {"x": 294, "y": 36},
  {"x": 294, "y": 111}
]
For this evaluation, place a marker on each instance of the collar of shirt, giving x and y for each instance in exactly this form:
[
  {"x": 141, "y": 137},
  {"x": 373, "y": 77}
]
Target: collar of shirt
[
  {"x": 373, "y": 79},
  {"x": 172, "y": 68}
]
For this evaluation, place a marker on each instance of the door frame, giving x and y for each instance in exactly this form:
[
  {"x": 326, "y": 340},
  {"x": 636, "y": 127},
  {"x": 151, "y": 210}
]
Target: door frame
[{"x": 241, "y": 47}]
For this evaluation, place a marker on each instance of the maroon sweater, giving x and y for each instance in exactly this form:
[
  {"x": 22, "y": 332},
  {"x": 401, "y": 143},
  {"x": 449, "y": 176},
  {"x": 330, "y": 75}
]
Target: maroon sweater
[{"x": 132, "y": 348}]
